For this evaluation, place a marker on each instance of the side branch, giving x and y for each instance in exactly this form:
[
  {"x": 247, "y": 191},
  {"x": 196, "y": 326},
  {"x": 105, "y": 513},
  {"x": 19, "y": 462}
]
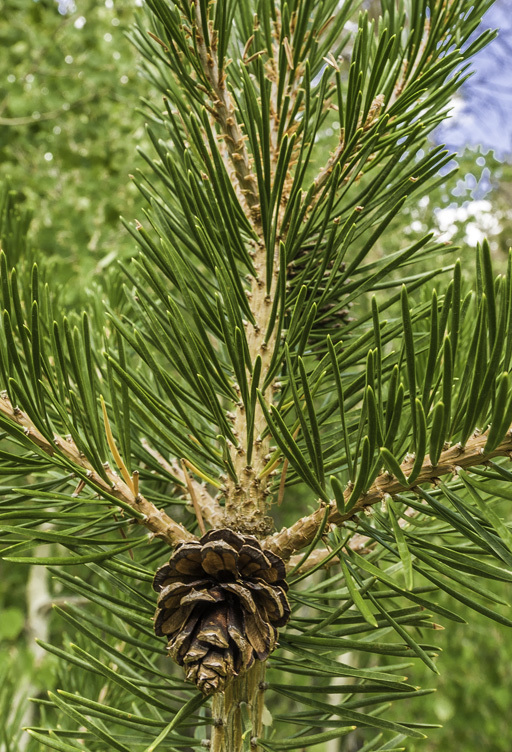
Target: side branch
[
  {"x": 211, "y": 510},
  {"x": 156, "y": 520},
  {"x": 319, "y": 557},
  {"x": 338, "y": 153},
  {"x": 299, "y": 535}
]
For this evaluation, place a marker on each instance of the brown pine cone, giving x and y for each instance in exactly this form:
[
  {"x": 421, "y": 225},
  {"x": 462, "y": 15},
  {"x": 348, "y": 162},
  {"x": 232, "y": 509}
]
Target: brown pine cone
[{"x": 221, "y": 599}]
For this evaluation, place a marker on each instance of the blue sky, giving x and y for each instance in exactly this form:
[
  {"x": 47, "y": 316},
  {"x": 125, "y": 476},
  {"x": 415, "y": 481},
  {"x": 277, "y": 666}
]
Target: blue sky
[{"x": 483, "y": 116}]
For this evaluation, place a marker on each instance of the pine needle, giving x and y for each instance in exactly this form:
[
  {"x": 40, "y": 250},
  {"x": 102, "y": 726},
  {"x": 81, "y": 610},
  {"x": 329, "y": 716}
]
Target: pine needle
[{"x": 115, "y": 453}]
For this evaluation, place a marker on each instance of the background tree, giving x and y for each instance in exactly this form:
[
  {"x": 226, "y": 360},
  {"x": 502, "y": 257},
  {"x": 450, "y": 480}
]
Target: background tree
[
  {"x": 66, "y": 85},
  {"x": 171, "y": 376}
]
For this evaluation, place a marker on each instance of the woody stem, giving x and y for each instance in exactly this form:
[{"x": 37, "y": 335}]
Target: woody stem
[
  {"x": 245, "y": 496},
  {"x": 237, "y": 713},
  {"x": 289, "y": 540}
]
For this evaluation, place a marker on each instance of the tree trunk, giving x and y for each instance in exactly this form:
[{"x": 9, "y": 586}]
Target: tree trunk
[{"x": 237, "y": 713}]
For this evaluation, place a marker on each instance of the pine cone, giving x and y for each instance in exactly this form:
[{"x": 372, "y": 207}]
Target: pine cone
[{"x": 221, "y": 599}]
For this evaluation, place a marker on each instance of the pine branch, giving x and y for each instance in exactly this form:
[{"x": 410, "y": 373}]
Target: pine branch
[
  {"x": 193, "y": 498},
  {"x": 321, "y": 558},
  {"x": 226, "y": 117},
  {"x": 269, "y": 166},
  {"x": 156, "y": 520},
  {"x": 210, "y": 509},
  {"x": 408, "y": 73},
  {"x": 246, "y": 497},
  {"x": 456, "y": 457},
  {"x": 335, "y": 157}
]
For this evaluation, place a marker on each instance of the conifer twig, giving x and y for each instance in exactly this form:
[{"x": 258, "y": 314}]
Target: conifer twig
[
  {"x": 225, "y": 114},
  {"x": 292, "y": 539},
  {"x": 337, "y": 154},
  {"x": 363, "y": 544},
  {"x": 156, "y": 520},
  {"x": 211, "y": 511},
  {"x": 316, "y": 558}
]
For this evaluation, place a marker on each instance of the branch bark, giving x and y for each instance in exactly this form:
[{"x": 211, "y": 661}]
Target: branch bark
[
  {"x": 231, "y": 731},
  {"x": 156, "y": 520},
  {"x": 292, "y": 539}
]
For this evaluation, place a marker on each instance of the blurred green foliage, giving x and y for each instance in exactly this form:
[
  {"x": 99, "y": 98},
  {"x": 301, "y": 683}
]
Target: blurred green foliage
[
  {"x": 69, "y": 89},
  {"x": 473, "y": 690}
]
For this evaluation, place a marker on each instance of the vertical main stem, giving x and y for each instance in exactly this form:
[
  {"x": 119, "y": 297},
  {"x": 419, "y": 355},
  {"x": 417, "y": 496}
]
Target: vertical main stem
[
  {"x": 237, "y": 713},
  {"x": 246, "y": 493}
]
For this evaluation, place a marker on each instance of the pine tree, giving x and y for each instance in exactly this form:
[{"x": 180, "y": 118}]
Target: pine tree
[{"x": 261, "y": 362}]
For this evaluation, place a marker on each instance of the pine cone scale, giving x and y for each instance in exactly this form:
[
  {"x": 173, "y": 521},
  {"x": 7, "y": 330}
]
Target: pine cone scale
[
  {"x": 214, "y": 629},
  {"x": 261, "y": 635},
  {"x": 220, "y": 602},
  {"x": 242, "y": 593},
  {"x": 274, "y": 600},
  {"x": 217, "y": 558}
]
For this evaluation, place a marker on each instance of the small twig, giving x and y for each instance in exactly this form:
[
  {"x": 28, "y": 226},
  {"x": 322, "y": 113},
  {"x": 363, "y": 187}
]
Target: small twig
[
  {"x": 324, "y": 173},
  {"x": 158, "y": 457},
  {"x": 211, "y": 510},
  {"x": 193, "y": 498},
  {"x": 405, "y": 73},
  {"x": 360, "y": 543},
  {"x": 363, "y": 544},
  {"x": 337, "y": 154}
]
